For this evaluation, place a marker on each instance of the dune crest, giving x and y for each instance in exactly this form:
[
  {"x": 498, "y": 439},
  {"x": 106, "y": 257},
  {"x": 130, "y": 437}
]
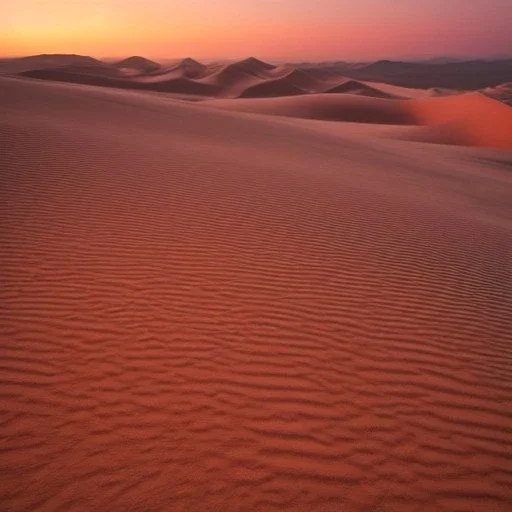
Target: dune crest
[
  {"x": 355, "y": 87},
  {"x": 139, "y": 64}
]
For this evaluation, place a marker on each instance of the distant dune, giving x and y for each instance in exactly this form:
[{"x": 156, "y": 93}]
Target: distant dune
[
  {"x": 502, "y": 92},
  {"x": 169, "y": 83},
  {"x": 186, "y": 67},
  {"x": 298, "y": 78},
  {"x": 355, "y": 87},
  {"x": 33, "y": 62},
  {"x": 463, "y": 75},
  {"x": 254, "y": 66},
  {"x": 211, "y": 310},
  {"x": 466, "y": 121},
  {"x": 272, "y": 88},
  {"x": 139, "y": 64}
]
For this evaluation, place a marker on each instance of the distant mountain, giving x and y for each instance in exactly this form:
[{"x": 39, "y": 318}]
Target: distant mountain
[
  {"x": 461, "y": 75},
  {"x": 439, "y": 60}
]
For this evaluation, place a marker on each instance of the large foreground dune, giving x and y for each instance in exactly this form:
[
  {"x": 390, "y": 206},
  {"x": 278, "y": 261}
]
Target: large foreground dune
[{"x": 211, "y": 310}]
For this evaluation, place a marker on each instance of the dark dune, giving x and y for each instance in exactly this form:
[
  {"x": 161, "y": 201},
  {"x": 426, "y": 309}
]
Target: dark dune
[
  {"x": 326, "y": 107},
  {"x": 178, "y": 85},
  {"x": 187, "y": 67},
  {"x": 298, "y": 78},
  {"x": 228, "y": 76},
  {"x": 272, "y": 88},
  {"x": 137, "y": 63},
  {"x": 254, "y": 66},
  {"x": 355, "y": 87},
  {"x": 44, "y": 61},
  {"x": 469, "y": 75}
]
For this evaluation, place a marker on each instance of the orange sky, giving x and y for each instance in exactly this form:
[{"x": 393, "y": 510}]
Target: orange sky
[{"x": 272, "y": 29}]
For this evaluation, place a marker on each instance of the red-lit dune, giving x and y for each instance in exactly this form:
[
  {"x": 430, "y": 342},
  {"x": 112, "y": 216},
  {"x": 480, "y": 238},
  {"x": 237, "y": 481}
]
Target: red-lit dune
[
  {"x": 483, "y": 121},
  {"x": 469, "y": 119},
  {"x": 211, "y": 310},
  {"x": 138, "y": 64}
]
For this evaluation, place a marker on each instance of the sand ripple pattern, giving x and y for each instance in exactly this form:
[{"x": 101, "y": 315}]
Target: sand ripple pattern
[{"x": 209, "y": 310}]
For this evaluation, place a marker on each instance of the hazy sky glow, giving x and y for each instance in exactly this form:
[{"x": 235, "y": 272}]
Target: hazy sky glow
[{"x": 272, "y": 29}]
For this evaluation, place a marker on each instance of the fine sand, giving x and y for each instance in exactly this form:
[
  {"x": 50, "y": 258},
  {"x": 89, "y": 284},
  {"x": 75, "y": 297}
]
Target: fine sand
[{"x": 211, "y": 310}]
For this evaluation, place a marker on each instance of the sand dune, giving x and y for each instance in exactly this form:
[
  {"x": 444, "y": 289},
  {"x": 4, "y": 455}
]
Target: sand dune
[
  {"x": 19, "y": 65},
  {"x": 212, "y": 310},
  {"x": 355, "y": 87},
  {"x": 469, "y": 119},
  {"x": 272, "y": 88},
  {"x": 398, "y": 91},
  {"x": 167, "y": 82},
  {"x": 254, "y": 66},
  {"x": 298, "y": 78},
  {"x": 187, "y": 67},
  {"x": 466, "y": 119},
  {"x": 253, "y": 78},
  {"x": 80, "y": 75},
  {"x": 482, "y": 120},
  {"x": 330, "y": 107},
  {"x": 231, "y": 79},
  {"x": 100, "y": 69},
  {"x": 248, "y": 78},
  {"x": 139, "y": 64},
  {"x": 502, "y": 92}
]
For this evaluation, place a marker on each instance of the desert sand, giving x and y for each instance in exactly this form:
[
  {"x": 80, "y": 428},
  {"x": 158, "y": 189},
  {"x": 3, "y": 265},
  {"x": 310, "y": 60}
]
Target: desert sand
[{"x": 243, "y": 305}]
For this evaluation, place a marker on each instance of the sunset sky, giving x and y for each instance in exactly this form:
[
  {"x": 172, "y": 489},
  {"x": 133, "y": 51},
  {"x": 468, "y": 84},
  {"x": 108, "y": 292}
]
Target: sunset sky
[{"x": 272, "y": 29}]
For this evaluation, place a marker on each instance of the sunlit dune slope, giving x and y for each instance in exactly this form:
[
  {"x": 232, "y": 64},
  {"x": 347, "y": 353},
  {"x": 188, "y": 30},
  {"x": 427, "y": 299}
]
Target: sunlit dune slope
[{"x": 484, "y": 121}]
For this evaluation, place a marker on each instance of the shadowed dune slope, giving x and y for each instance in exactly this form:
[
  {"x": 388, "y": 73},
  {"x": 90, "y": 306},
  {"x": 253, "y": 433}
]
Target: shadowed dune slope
[
  {"x": 211, "y": 310},
  {"x": 229, "y": 76},
  {"x": 139, "y": 64},
  {"x": 167, "y": 82},
  {"x": 254, "y": 66},
  {"x": 44, "y": 61},
  {"x": 298, "y": 78},
  {"x": 272, "y": 88},
  {"x": 329, "y": 107},
  {"x": 189, "y": 68},
  {"x": 473, "y": 119},
  {"x": 355, "y": 87}
]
